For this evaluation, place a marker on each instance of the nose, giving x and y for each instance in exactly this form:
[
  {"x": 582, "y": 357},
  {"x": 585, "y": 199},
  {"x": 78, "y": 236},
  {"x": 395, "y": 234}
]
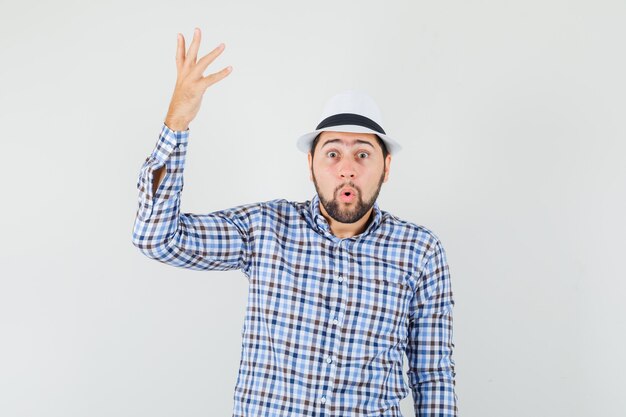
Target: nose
[{"x": 346, "y": 170}]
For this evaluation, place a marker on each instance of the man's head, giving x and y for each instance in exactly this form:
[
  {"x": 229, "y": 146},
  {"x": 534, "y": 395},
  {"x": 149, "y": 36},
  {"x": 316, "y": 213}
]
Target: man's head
[{"x": 348, "y": 170}]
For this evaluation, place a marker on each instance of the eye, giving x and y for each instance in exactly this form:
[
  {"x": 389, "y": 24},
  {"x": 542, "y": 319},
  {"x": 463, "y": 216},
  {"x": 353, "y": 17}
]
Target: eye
[
  {"x": 364, "y": 153},
  {"x": 331, "y": 153}
]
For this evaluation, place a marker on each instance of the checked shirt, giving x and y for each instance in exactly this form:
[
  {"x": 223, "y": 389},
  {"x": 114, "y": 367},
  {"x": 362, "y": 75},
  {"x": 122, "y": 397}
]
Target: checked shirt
[{"x": 328, "y": 319}]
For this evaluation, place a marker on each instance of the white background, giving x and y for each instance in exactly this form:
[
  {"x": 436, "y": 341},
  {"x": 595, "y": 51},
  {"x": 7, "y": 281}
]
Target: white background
[{"x": 511, "y": 115}]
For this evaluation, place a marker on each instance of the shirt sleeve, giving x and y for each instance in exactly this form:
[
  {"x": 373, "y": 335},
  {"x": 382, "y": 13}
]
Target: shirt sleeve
[
  {"x": 220, "y": 240},
  {"x": 430, "y": 342}
]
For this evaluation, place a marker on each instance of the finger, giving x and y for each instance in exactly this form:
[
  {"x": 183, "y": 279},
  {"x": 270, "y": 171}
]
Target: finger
[
  {"x": 192, "y": 54},
  {"x": 180, "y": 51},
  {"x": 207, "y": 59},
  {"x": 209, "y": 80}
]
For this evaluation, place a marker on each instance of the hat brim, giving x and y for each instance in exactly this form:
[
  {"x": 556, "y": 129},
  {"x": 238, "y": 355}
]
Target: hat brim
[{"x": 304, "y": 142}]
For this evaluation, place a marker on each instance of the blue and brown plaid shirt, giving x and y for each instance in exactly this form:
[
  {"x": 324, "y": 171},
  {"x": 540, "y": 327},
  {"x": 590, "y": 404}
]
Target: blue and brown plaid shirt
[{"x": 328, "y": 319}]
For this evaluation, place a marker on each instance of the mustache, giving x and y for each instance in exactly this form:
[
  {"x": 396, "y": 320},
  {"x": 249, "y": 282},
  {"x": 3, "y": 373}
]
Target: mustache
[{"x": 351, "y": 185}]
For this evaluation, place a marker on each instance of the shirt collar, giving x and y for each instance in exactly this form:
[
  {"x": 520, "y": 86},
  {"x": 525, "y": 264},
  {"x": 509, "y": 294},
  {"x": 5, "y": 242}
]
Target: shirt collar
[{"x": 320, "y": 221}]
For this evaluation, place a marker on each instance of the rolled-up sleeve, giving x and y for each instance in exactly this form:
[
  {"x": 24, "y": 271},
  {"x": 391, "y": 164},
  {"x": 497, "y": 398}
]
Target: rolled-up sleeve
[
  {"x": 430, "y": 342},
  {"x": 221, "y": 240}
]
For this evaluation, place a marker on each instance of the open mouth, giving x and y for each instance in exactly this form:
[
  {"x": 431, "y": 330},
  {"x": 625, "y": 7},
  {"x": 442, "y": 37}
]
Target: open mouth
[{"x": 347, "y": 195}]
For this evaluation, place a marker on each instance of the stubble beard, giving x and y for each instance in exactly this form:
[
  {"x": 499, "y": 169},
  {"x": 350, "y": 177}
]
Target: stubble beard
[{"x": 348, "y": 215}]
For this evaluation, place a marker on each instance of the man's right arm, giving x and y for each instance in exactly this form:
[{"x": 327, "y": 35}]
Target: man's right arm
[{"x": 220, "y": 240}]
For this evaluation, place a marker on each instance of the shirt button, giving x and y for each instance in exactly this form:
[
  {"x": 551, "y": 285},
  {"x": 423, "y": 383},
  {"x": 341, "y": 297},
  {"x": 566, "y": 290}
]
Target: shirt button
[
  {"x": 323, "y": 399},
  {"x": 335, "y": 321},
  {"x": 329, "y": 359}
]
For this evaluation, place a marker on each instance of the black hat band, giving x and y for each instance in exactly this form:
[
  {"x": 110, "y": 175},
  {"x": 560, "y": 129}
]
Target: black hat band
[{"x": 350, "y": 119}]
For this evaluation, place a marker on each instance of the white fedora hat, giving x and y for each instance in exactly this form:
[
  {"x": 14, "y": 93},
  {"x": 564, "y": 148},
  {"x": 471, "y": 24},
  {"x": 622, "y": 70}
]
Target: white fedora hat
[{"x": 350, "y": 111}]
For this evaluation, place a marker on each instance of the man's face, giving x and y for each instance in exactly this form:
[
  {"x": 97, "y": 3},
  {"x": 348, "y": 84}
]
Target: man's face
[{"x": 348, "y": 170}]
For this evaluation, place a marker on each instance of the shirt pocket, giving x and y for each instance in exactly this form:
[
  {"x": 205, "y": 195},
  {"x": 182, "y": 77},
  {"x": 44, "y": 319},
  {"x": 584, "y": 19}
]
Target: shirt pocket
[{"x": 381, "y": 298}]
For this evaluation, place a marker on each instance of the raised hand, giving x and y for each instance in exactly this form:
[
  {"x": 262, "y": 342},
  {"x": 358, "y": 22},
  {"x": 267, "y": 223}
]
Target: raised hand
[{"x": 190, "y": 83}]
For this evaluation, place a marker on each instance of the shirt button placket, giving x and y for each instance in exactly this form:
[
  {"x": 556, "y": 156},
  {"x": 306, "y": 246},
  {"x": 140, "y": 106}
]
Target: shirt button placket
[{"x": 332, "y": 363}]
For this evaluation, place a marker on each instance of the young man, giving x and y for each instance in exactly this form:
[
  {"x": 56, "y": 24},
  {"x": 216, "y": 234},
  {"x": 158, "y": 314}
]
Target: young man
[{"x": 339, "y": 289}]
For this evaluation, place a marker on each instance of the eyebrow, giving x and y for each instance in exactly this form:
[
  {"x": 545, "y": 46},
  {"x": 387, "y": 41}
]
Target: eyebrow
[{"x": 339, "y": 140}]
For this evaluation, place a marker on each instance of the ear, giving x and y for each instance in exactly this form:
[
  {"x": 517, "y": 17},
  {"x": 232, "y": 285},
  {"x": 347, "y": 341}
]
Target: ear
[
  {"x": 387, "y": 165},
  {"x": 310, "y": 160}
]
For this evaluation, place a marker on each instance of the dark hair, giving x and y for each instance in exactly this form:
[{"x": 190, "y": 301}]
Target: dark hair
[{"x": 381, "y": 143}]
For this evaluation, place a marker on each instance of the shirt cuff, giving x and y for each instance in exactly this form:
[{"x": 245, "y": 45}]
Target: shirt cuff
[{"x": 168, "y": 140}]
